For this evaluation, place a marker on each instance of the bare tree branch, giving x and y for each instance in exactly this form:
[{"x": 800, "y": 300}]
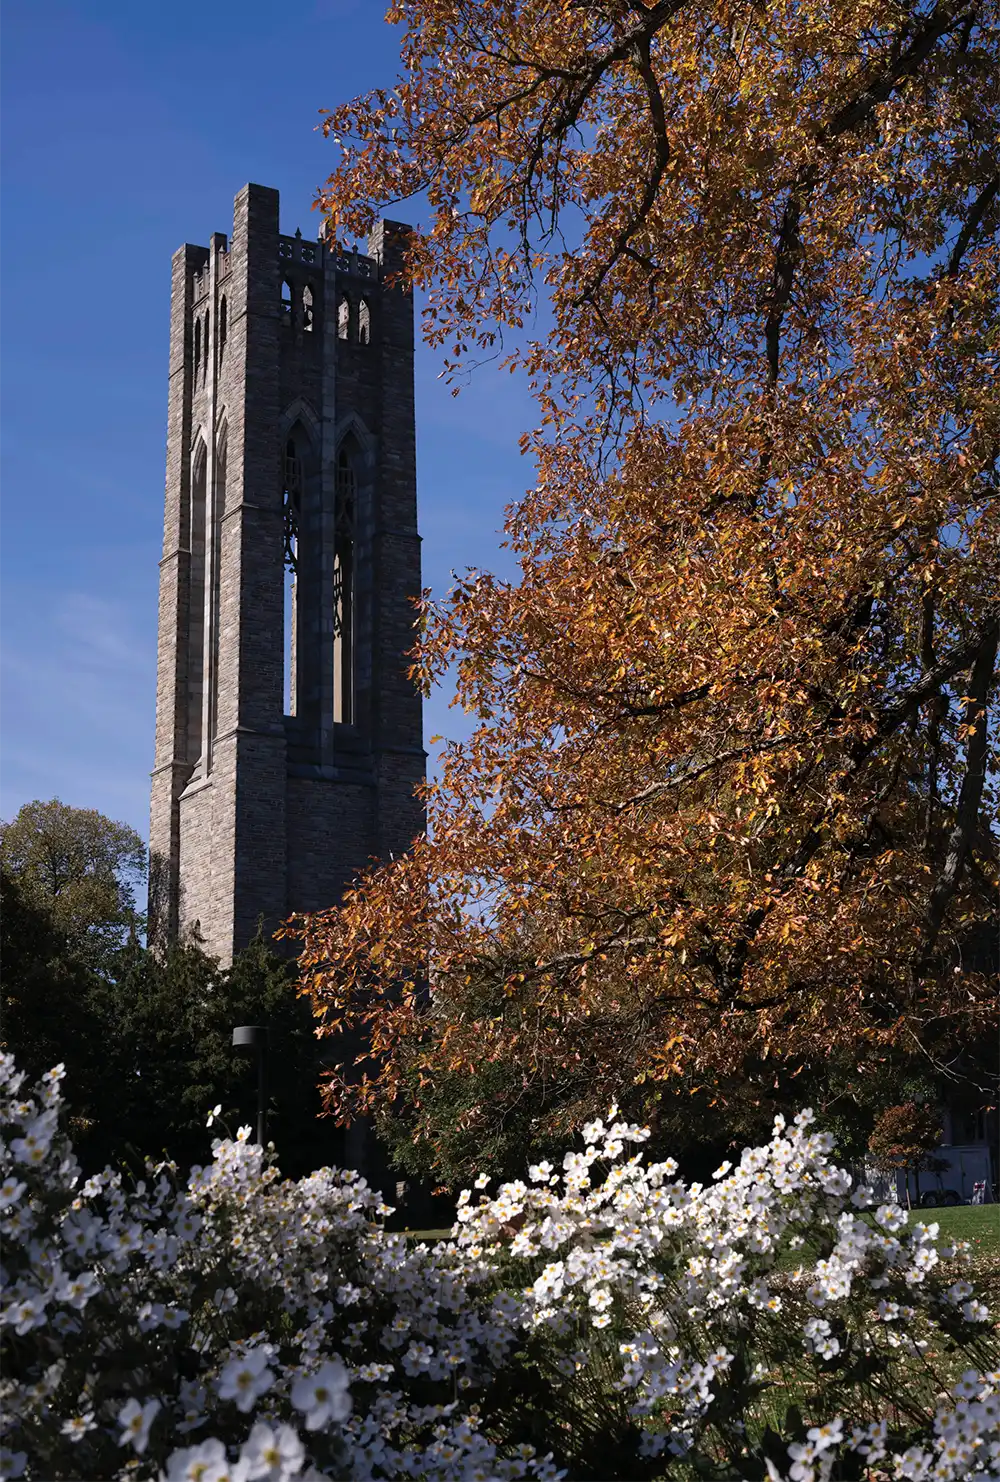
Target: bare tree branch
[{"x": 967, "y": 813}]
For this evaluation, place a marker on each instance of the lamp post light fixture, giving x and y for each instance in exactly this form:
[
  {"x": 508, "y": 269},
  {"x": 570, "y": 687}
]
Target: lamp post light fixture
[{"x": 254, "y": 1037}]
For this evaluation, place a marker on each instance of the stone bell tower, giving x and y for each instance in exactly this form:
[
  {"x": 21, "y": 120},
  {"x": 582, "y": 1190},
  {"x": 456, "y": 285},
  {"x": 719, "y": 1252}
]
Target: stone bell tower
[{"x": 288, "y": 736}]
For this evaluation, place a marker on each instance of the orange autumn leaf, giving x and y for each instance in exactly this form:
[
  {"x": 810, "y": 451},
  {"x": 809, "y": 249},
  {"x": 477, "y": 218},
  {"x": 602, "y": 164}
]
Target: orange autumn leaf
[{"x": 731, "y": 792}]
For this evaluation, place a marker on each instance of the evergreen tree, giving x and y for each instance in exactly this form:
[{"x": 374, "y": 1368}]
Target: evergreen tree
[{"x": 169, "y": 1022}]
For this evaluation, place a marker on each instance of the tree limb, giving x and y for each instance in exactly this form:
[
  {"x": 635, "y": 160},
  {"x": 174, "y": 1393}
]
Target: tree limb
[{"x": 967, "y": 813}]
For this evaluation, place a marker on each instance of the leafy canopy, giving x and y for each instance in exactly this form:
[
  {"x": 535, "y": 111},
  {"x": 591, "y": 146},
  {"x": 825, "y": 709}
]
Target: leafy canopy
[
  {"x": 728, "y": 796},
  {"x": 83, "y": 870}
]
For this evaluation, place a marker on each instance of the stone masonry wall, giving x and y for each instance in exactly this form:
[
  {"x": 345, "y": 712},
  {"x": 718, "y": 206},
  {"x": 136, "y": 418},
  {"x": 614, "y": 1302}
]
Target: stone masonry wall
[{"x": 255, "y": 814}]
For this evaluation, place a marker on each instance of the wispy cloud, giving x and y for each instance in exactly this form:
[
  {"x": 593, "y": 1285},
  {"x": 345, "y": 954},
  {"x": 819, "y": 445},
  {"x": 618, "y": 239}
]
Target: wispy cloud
[{"x": 78, "y": 706}]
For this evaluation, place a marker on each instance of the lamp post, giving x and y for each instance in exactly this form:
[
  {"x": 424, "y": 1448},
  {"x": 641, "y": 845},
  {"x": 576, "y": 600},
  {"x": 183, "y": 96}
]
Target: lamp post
[{"x": 254, "y": 1037}]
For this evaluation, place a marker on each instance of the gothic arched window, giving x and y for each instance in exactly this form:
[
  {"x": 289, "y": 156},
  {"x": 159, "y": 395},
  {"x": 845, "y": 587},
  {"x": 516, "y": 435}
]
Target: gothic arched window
[
  {"x": 286, "y": 299},
  {"x": 215, "y": 611},
  {"x": 307, "y": 309},
  {"x": 343, "y": 317},
  {"x": 223, "y": 327},
  {"x": 344, "y": 538},
  {"x": 197, "y": 347},
  {"x": 205, "y": 346},
  {"x": 196, "y": 537},
  {"x": 292, "y": 517},
  {"x": 364, "y": 323}
]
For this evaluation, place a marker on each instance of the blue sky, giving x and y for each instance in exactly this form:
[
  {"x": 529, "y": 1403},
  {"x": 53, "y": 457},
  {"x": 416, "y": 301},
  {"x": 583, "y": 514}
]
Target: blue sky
[{"x": 128, "y": 127}]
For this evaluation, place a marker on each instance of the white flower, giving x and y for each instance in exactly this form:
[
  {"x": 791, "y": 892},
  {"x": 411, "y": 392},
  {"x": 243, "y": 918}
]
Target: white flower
[
  {"x": 891, "y": 1217},
  {"x": 26, "y": 1314},
  {"x": 244, "y": 1380},
  {"x": 482, "y": 1180},
  {"x": 215, "y": 1112},
  {"x": 34, "y": 1146},
  {"x": 135, "y": 1420},
  {"x": 323, "y": 1396},
  {"x": 76, "y": 1291},
  {"x": 12, "y": 1463},
  {"x": 10, "y": 1191},
  {"x": 272, "y": 1454},
  {"x": 417, "y": 1358},
  {"x": 205, "y": 1463},
  {"x": 975, "y": 1311},
  {"x": 824, "y": 1436},
  {"x": 78, "y": 1426}
]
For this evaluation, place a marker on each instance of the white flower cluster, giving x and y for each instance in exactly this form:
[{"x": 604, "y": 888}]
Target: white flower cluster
[
  {"x": 242, "y": 1327},
  {"x": 683, "y": 1275},
  {"x": 247, "y": 1327}
]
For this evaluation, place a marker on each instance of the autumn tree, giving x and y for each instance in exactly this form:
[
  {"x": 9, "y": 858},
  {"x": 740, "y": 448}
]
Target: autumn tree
[
  {"x": 727, "y": 806},
  {"x": 904, "y": 1140}
]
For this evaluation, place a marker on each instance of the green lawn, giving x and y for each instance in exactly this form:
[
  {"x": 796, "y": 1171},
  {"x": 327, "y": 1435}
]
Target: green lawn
[{"x": 977, "y": 1223}]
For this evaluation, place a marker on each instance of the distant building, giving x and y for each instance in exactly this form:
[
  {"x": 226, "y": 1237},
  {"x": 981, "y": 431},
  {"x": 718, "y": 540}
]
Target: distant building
[{"x": 288, "y": 736}]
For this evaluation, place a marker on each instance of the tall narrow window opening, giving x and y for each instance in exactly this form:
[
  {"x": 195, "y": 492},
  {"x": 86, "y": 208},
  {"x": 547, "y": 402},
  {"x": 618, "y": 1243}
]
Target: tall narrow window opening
[
  {"x": 345, "y": 531},
  {"x": 307, "y": 309},
  {"x": 197, "y": 347},
  {"x": 205, "y": 346},
  {"x": 292, "y": 518},
  {"x": 364, "y": 323},
  {"x": 196, "y": 604},
  {"x": 286, "y": 299},
  {"x": 343, "y": 317},
  {"x": 215, "y": 611},
  {"x": 223, "y": 328}
]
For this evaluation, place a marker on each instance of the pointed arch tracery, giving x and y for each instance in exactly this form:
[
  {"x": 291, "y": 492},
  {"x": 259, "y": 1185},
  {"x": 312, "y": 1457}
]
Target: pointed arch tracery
[
  {"x": 298, "y": 560},
  {"x": 214, "y": 606},
  {"x": 291, "y": 505},
  {"x": 195, "y": 539},
  {"x": 344, "y": 582}
]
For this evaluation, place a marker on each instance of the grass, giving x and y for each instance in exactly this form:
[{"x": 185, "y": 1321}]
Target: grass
[{"x": 979, "y": 1224}]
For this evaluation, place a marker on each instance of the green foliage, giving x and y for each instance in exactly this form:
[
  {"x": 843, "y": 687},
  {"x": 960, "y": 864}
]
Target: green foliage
[
  {"x": 479, "y": 1123},
  {"x": 492, "y": 1118},
  {"x": 46, "y": 997},
  {"x": 148, "y": 1051},
  {"x": 170, "y": 1021},
  {"x": 83, "y": 870}
]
